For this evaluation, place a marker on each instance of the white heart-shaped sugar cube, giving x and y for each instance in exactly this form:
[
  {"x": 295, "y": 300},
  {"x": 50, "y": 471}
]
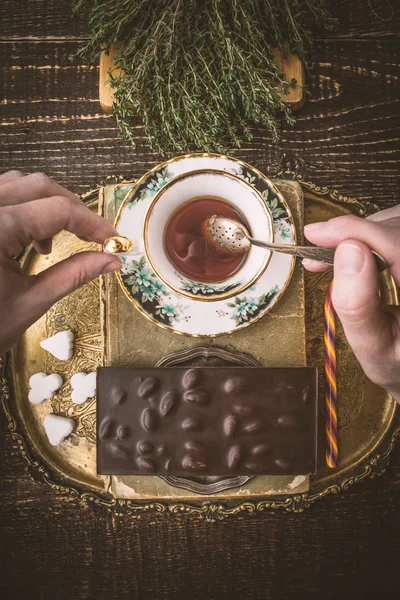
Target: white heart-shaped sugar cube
[
  {"x": 43, "y": 387},
  {"x": 60, "y": 345},
  {"x": 58, "y": 428},
  {"x": 83, "y": 387}
]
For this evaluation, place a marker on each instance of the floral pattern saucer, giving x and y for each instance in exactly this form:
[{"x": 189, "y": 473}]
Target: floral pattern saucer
[{"x": 177, "y": 312}]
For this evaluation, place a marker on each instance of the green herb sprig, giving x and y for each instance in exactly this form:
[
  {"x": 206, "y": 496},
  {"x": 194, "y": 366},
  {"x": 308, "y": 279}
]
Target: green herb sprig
[{"x": 200, "y": 72}]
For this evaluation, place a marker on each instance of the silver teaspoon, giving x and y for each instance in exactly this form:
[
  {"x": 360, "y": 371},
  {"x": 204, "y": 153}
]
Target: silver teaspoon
[{"x": 234, "y": 236}]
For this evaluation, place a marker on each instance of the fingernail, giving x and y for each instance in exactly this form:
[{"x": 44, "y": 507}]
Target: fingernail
[
  {"x": 114, "y": 265},
  {"x": 313, "y": 226},
  {"x": 349, "y": 259},
  {"x": 308, "y": 262}
]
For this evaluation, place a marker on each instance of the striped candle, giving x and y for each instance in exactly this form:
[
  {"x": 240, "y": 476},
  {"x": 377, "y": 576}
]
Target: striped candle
[{"x": 330, "y": 380}]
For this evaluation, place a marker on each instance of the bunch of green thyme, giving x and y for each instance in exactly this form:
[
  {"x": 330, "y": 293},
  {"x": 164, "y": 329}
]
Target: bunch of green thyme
[{"x": 199, "y": 73}]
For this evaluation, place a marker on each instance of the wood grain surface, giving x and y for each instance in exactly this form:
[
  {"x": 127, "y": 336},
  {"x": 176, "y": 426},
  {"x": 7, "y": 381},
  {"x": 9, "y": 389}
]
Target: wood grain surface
[{"x": 52, "y": 546}]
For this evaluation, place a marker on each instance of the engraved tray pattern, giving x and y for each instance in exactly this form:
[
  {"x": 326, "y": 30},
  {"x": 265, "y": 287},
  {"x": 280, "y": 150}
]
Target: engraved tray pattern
[{"x": 381, "y": 423}]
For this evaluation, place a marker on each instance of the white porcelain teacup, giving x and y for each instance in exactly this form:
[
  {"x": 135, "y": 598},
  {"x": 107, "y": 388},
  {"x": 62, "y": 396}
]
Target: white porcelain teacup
[{"x": 242, "y": 196}]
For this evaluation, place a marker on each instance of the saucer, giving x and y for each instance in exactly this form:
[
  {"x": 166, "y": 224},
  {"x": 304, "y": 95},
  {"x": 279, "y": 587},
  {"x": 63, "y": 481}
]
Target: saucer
[{"x": 174, "y": 311}]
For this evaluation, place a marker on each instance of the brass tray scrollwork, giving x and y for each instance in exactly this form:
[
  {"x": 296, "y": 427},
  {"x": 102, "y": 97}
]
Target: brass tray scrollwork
[{"x": 371, "y": 413}]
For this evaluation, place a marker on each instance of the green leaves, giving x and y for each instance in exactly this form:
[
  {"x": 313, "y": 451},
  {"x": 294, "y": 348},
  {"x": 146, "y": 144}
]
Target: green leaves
[{"x": 200, "y": 73}]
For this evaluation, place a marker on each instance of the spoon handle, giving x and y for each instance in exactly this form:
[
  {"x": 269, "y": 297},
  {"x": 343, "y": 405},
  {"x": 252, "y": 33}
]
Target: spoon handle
[{"x": 325, "y": 255}]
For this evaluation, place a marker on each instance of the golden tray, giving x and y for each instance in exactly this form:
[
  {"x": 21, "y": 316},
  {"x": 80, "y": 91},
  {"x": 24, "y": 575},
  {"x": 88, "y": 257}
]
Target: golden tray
[{"x": 368, "y": 421}]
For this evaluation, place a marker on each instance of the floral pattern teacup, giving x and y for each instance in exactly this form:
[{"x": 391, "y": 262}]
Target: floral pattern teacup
[{"x": 244, "y": 198}]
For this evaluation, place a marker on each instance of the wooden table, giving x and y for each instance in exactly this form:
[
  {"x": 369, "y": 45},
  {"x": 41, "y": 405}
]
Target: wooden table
[{"x": 52, "y": 546}]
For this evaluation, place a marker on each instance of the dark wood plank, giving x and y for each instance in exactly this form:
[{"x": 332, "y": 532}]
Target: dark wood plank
[
  {"x": 53, "y": 19},
  {"x": 39, "y": 19},
  {"x": 366, "y": 18},
  {"x": 53, "y": 546}
]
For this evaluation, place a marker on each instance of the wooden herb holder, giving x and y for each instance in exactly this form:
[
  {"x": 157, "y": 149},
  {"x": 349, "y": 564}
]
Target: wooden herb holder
[{"x": 292, "y": 67}]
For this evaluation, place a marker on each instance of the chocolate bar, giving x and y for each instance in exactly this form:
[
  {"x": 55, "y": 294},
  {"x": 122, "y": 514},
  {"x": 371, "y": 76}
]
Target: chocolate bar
[{"x": 206, "y": 421}]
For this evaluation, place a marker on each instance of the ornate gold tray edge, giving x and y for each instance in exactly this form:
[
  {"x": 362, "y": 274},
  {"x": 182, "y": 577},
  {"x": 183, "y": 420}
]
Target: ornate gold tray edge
[
  {"x": 212, "y": 511},
  {"x": 374, "y": 465}
]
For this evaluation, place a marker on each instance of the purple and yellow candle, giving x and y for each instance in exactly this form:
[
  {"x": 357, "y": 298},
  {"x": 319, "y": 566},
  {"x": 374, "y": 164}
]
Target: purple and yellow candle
[{"x": 330, "y": 380}]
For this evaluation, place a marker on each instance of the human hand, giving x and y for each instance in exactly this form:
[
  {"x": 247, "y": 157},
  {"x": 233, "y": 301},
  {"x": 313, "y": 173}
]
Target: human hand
[
  {"x": 34, "y": 208},
  {"x": 373, "y": 331}
]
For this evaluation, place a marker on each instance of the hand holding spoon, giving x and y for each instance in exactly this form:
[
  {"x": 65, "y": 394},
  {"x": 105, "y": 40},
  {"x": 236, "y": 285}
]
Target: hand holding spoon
[{"x": 234, "y": 236}]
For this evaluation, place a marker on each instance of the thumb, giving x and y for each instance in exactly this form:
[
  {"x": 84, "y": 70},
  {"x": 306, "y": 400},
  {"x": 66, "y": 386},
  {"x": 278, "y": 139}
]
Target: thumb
[
  {"x": 61, "y": 279},
  {"x": 356, "y": 300}
]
